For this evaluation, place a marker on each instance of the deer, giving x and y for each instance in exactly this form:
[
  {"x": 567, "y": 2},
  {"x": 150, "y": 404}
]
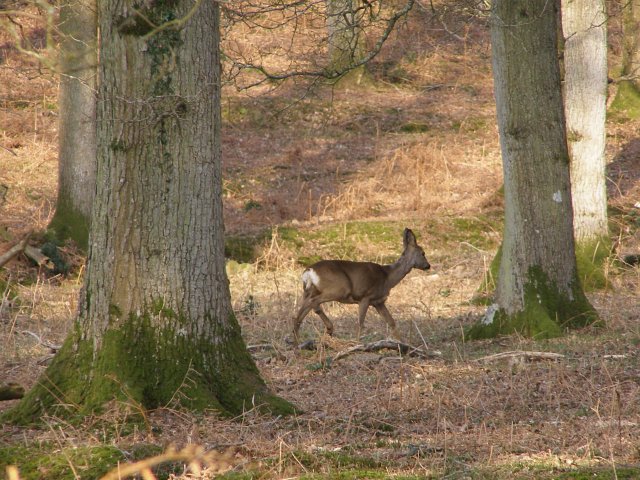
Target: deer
[{"x": 365, "y": 283}]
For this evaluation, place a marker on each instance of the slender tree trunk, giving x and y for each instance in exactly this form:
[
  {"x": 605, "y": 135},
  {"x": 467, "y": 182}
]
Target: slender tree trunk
[
  {"x": 627, "y": 99},
  {"x": 631, "y": 42},
  {"x": 538, "y": 291},
  {"x": 346, "y": 39},
  {"x": 155, "y": 326},
  {"x": 77, "y": 125},
  {"x": 585, "y": 97}
]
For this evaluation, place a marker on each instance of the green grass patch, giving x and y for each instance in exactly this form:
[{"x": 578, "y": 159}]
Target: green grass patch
[
  {"x": 600, "y": 474},
  {"x": 376, "y": 241},
  {"x": 326, "y": 461},
  {"x": 414, "y": 127},
  {"x": 244, "y": 248},
  {"x": 48, "y": 460}
]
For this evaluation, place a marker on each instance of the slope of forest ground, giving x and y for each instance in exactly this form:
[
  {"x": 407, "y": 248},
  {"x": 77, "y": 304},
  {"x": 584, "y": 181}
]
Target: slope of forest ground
[{"x": 339, "y": 172}]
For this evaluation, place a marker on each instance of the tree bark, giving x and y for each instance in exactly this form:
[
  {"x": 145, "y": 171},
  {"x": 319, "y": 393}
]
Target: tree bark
[
  {"x": 77, "y": 125},
  {"x": 346, "y": 42},
  {"x": 627, "y": 97},
  {"x": 631, "y": 43},
  {"x": 538, "y": 292},
  {"x": 585, "y": 97},
  {"x": 155, "y": 324}
]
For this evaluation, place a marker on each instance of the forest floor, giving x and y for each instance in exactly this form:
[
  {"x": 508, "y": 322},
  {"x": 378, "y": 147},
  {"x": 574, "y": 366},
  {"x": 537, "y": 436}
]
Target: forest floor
[{"x": 339, "y": 172}]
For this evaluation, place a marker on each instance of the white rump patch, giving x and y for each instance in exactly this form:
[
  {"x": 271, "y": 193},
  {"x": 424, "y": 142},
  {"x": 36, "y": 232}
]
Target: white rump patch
[
  {"x": 557, "y": 197},
  {"x": 310, "y": 277}
]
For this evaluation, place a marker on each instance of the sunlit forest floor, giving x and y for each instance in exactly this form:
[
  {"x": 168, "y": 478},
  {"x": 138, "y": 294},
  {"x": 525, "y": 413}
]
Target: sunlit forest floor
[{"x": 335, "y": 171}]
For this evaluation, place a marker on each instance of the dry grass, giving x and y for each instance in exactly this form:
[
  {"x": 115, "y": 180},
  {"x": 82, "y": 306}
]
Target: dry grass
[{"x": 425, "y": 148}]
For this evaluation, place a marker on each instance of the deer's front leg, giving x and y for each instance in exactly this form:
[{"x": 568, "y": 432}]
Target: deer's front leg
[
  {"x": 362, "y": 313},
  {"x": 384, "y": 313}
]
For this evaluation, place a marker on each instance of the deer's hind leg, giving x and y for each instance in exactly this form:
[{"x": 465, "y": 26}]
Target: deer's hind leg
[
  {"x": 311, "y": 300},
  {"x": 327, "y": 321},
  {"x": 303, "y": 312}
]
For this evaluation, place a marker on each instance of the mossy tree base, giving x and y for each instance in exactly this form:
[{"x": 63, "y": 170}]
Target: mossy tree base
[
  {"x": 546, "y": 313},
  {"x": 146, "y": 367},
  {"x": 69, "y": 223},
  {"x": 592, "y": 259}
]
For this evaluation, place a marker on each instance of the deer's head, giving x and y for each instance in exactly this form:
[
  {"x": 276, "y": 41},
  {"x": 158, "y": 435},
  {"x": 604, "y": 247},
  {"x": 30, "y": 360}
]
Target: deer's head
[{"x": 413, "y": 253}]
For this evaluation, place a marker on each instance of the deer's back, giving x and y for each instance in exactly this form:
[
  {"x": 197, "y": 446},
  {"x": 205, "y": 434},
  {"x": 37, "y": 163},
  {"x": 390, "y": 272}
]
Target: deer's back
[{"x": 349, "y": 281}]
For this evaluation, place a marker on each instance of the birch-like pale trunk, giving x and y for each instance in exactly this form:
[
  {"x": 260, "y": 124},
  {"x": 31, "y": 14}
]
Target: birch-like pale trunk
[
  {"x": 538, "y": 291},
  {"x": 584, "y": 26},
  {"x": 155, "y": 324}
]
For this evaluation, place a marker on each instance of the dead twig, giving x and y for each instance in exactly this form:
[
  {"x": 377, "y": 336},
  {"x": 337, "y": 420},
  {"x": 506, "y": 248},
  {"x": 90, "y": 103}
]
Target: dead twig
[
  {"x": 403, "y": 348},
  {"x": 15, "y": 250},
  {"x": 260, "y": 347},
  {"x": 9, "y": 150},
  {"x": 52, "y": 346},
  {"x": 521, "y": 354}
]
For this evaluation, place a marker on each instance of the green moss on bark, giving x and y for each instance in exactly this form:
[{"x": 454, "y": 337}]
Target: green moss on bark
[
  {"x": 59, "y": 391},
  {"x": 149, "y": 363},
  {"x": 592, "y": 257},
  {"x": 547, "y": 312},
  {"x": 69, "y": 223}
]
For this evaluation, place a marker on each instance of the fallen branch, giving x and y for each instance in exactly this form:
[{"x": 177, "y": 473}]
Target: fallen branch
[
  {"x": 15, "y": 250},
  {"x": 11, "y": 391},
  {"x": 37, "y": 256},
  {"x": 521, "y": 354},
  {"x": 51, "y": 346},
  {"x": 403, "y": 348},
  {"x": 308, "y": 345},
  {"x": 260, "y": 347},
  {"x": 9, "y": 150},
  {"x": 265, "y": 347}
]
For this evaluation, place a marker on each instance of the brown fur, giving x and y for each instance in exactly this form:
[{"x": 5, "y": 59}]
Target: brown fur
[{"x": 364, "y": 283}]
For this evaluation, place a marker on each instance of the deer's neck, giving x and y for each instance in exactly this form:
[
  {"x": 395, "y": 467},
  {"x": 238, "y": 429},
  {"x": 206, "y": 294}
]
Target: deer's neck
[{"x": 397, "y": 271}]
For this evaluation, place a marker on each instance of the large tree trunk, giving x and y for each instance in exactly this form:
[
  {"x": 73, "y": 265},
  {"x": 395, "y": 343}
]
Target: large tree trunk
[
  {"x": 78, "y": 25},
  {"x": 155, "y": 324},
  {"x": 538, "y": 292},
  {"x": 585, "y": 97}
]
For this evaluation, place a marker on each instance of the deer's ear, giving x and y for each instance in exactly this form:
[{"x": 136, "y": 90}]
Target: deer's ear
[{"x": 409, "y": 238}]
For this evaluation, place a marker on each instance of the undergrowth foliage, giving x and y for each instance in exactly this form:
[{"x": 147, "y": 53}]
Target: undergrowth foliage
[{"x": 331, "y": 172}]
